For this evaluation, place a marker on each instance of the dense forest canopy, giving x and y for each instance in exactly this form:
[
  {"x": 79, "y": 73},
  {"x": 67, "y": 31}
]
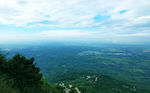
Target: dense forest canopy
[{"x": 77, "y": 69}]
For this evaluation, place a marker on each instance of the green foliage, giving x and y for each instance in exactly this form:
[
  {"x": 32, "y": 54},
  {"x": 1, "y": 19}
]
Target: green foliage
[
  {"x": 7, "y": 85},
  {"x": 24, "y": 72},
  {"x": 2, "y": 63},
  {"x": 20, "y": 75}
]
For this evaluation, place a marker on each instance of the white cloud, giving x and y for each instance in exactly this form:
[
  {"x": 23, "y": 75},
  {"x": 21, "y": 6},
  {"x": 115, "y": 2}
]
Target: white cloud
[
  {"x": 76, "y": 35},
  {"x": 48, "y": 35},
  {"x": 69, "y": 13},
  {"x": 78, "y": 14}
]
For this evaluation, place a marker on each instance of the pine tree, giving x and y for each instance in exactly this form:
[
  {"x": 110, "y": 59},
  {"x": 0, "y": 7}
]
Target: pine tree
[{"x": 24, "y": 72}]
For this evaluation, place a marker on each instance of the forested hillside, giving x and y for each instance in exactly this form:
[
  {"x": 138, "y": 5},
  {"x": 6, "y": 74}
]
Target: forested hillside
[{"x": 21, "y": 75}]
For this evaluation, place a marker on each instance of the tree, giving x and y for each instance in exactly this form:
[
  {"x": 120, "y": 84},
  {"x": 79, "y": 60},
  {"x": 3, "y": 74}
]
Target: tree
[
  {"x": 2, "y": 63},
  {"x": 24, "y": 72}
]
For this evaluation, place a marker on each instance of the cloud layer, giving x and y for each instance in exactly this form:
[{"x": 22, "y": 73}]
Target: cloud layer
[{"x": 117, "y": 18}]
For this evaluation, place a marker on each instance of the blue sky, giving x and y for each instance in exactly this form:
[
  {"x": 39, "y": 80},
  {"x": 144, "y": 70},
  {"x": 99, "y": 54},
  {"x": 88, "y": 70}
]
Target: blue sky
[{"x": 103, "y": 20}]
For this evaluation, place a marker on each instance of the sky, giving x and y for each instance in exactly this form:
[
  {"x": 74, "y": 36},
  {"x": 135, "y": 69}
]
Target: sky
[{"x": 101, "y": 20}]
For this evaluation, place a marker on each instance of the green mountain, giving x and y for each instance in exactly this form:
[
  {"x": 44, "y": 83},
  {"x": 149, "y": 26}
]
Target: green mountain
[
  {"x": 21, "y": 75},
  {"x": 95, "y": 83}
]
